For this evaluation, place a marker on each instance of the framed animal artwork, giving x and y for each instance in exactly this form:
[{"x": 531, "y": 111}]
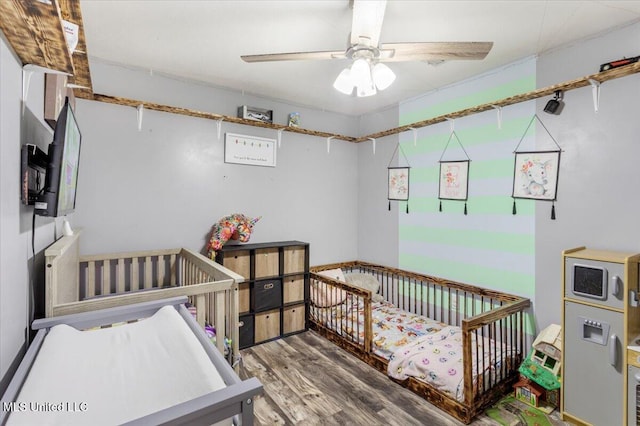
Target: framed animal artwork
[{"x": 535, "y": 175}]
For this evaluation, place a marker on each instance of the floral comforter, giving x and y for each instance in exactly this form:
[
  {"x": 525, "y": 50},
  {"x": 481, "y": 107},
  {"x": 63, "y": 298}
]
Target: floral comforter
[
  {"x": 392, "y": 327},
  {"x": 417, "y": 346},
  {"x": 437, "y": 359}
]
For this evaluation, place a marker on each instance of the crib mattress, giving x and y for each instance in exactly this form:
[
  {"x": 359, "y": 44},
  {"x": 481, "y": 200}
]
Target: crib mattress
[{"x": 114, "y": 375}]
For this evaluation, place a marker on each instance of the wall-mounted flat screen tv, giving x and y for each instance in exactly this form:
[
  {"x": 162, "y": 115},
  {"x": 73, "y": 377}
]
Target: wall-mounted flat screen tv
[{"x": 58, "y": 196}]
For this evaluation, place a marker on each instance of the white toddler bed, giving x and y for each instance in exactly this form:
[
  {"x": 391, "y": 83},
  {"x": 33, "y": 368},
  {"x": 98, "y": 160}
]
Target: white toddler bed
[{"x": 159, "y": 369}]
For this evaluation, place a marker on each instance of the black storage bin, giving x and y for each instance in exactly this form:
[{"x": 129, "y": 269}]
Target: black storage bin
[
  {"x": 246, "y": 331},
  {"x": 267, "y": 294}
]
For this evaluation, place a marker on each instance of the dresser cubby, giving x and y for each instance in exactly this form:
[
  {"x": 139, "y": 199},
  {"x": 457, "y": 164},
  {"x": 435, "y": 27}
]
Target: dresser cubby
[{"x": 273, "y": 300}]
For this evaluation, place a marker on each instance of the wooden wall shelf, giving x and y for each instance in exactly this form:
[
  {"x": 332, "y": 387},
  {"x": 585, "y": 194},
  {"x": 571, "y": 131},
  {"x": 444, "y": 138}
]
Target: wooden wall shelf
[
  {"x": 35, "y": 32},
  {"x": 70, "y": 11}
]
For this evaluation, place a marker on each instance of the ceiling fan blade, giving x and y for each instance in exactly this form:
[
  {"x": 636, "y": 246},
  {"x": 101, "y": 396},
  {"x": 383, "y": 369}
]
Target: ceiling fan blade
[
  {"x": 434, "y": 51},
  {"x": 294, "y": 56},
  {"x": 367, "y": 21}
]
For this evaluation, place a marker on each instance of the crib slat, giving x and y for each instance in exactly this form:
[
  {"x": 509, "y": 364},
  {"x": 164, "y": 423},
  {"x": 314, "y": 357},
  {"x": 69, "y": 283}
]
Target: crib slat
[
  {"x": 135, "y": 273},
  {"x": 467, "y": 367},
  {"x": 91, "y": 279},
  {"x": 148, "y": 272},
  {"x": 120, "y": 281},
  {"x": 106, "y": 277},
  {"x": 172, "y": 270},
  {"x": 187, "y": 273},
  {"x": 232, "y": 324},
  {"x": 219, "y": 298},
  {"x": 160, "y": 270},
  {"x": 200, "y": 308}
]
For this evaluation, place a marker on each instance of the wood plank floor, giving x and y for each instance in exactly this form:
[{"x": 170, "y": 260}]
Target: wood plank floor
[{"x": 310, "y": 381}]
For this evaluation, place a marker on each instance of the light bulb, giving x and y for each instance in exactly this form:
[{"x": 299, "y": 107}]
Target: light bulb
[
  {"x": 382, "y": 76},
  {"x": 344, "y": 82},
  {"x": 361, "y": 75}
]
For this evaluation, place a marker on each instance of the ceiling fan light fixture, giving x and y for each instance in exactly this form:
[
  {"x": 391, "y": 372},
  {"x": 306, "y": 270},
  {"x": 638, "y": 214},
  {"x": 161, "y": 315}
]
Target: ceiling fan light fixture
[
  {"x": 344, "y": 82},
  {"x": 362, "y": 78},
  {"x": 366, "y": 90},
  {"x": 361, "y": 73},
  {"x": 382, "y": 76}
]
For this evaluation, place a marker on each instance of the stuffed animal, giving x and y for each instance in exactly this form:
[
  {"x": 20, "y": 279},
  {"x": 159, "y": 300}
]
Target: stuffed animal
[{"x": 235, "y": 227}]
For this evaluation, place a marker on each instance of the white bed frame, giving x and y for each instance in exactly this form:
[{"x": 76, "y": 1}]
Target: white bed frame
[
  {"x": 75, "y": 284},
  {"x": 235, "y": 400}
]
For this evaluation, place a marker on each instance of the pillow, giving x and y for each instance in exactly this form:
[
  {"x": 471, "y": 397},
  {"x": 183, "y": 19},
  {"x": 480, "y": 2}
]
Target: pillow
[
  {"x": 325, "y": 295},
  {"x": 366, "y": 282},
  {"x": 336, "y": 274}
]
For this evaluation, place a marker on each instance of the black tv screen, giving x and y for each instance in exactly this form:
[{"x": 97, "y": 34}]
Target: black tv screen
[{"x": 59, "y": 193}]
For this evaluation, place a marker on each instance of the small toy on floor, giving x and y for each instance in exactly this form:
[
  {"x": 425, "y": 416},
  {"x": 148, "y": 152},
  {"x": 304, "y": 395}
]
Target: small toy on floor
[{"x": 539, "y": 384}]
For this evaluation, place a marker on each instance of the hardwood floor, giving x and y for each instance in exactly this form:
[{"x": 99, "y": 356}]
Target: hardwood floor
[{"x": 310, "y": 381}]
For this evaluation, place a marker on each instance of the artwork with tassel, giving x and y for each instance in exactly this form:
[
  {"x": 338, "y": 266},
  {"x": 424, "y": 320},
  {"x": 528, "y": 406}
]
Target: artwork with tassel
[
  {"x": 398, "y": 180},
  {"x": 454, "y": 181},
  {"x": 454, "y": 176},
  {"x": 399, "y": 185},
  {"x": 535, "y": 173}
]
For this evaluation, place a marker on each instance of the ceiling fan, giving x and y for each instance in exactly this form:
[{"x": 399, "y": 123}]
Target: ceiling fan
[{"x": 368, "y": 74}]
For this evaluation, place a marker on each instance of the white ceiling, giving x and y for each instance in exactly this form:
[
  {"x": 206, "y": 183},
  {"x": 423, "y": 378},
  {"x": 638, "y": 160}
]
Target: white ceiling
[{"x": 203, "y": 41}]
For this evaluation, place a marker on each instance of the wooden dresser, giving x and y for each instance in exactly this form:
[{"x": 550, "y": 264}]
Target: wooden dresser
[{"x": 273, "y": 300}]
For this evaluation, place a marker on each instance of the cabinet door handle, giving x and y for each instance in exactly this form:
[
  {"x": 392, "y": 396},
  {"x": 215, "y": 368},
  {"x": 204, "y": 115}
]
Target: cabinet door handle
[
  {"x": 613, "y": 350},
  {"x": 615, "y": 287},
  {"x": 637, "y": 377}
]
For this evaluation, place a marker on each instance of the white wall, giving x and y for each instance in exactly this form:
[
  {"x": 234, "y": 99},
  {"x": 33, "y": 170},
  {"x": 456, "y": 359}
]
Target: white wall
[
  {"x": 377, "y": 226},
  {"x": 599, "y": 183},
  {"x": 166, "y": 185},
  {"x": 17, "y": 271}
]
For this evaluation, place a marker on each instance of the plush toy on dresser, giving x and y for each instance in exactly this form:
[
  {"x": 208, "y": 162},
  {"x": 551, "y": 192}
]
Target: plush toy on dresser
[{"x": 233, "y": 227}]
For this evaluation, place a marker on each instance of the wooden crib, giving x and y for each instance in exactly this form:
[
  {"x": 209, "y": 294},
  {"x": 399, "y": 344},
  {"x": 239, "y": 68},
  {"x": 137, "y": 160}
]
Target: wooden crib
[
  {"x": 491, "y": 320},
  {"x": 75, "y": 284}
]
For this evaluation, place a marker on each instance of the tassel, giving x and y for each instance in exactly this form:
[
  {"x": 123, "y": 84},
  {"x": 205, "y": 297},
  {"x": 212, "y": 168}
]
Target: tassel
[
  {"x": 553, "y": 211},
  {"x": 440, "y": 205},
  {"x": 407, "y": 207},
  {"x": 389, "y": 205},
  {"x": 514, "y": 206},
  {"x": 465, "y": 208}
]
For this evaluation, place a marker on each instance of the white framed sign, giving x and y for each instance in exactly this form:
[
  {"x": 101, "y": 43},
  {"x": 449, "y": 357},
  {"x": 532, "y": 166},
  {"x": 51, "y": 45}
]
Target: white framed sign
[{"x": 249, "y": 150}]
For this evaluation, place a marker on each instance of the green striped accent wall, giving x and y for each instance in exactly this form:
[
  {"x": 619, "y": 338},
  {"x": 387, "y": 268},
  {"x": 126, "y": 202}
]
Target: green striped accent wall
[
  {"x": 443, "y": 305},
  {"x": 479, "y": 96},
  {"x": 489, "y": 247}
]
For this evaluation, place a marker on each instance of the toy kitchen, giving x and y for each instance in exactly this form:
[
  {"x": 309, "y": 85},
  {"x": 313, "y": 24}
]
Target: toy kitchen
[{"x": 601, "y": 338}]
